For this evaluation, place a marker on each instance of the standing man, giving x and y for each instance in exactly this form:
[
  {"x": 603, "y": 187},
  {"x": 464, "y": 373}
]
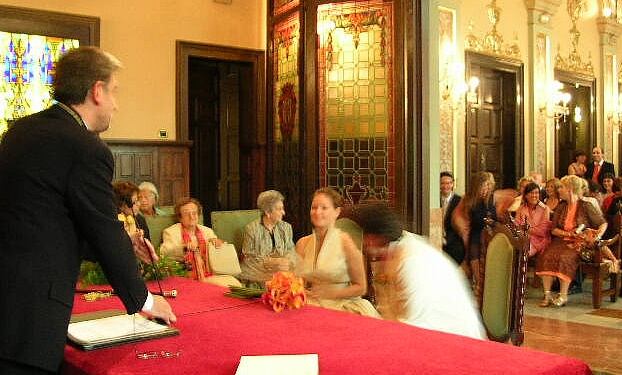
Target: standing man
[
  {"x": 597, "y": 169},
  {"x": 56, "y": 194},
  {"x": 452, "y": 242}
]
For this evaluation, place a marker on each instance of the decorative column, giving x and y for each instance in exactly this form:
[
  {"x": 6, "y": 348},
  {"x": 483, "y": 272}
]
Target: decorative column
[
  {"x": 608, "y": 31},
  {"x": 539, "y": 14}
]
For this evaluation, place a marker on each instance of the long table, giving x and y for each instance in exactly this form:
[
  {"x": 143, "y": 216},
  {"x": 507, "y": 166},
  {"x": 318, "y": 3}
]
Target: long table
[{"x": 217, "y": 330}]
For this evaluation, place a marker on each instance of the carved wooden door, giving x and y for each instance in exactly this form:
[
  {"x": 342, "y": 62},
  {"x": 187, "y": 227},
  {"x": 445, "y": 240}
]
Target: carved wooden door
[{"x": 490, "y": 127}]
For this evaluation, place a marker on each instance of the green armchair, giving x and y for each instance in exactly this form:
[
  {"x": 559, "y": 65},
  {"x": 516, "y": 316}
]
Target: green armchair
[
  {"x": 503, "y": 295},
  {"x": 229, "y": 225}
]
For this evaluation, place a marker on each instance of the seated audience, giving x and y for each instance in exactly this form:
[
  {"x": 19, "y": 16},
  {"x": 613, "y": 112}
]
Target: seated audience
[
  {"x": 591, "y": 192},
  {"x": 518, "y": 200},
  {"x": 452, "y": 243},
  {"x": 552, "y": 194},
  {"x": 429, "y": 290},
  {"x": 126, "y": 199},
  {"x": 330, "y": 262},
  {"x": 561, "y": 258},
  {"x": 187, "y": 241},
  {"x": 535, "y": 213},
  {"x": 537, "y": 178},
  {"x": 578, "y": 167},
  {"x": 148, "y": 198},
  {"x": 268, "y": 245},
  {"x": 610, "y": 187}
]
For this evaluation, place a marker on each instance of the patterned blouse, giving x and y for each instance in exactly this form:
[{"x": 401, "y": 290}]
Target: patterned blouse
[{"x": 259, "y": 244}]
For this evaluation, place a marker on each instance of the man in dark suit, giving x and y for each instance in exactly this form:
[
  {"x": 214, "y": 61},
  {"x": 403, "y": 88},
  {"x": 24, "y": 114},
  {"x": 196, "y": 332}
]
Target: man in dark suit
[
  {"x": 452, "y": 242},
  {"x": 597, "y": 169},
  {"x": 55, "y": 197}
]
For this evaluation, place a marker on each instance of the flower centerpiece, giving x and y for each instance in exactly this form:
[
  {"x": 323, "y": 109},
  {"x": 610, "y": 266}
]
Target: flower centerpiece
[{"x": 284, "y": 290}]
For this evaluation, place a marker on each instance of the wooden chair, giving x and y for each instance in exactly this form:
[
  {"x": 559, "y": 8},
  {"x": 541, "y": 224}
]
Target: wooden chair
[
  {"x": 504, "y": 280},
  {"x": 599, "y": 270},
  {"x": 229, "y": 225}
]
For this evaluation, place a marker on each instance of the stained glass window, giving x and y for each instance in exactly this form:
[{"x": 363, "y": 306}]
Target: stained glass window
[
  {"x": 357, "y": 138},
  {"x": 28, "y": 63},
  {"x": 286, "y": 113}
]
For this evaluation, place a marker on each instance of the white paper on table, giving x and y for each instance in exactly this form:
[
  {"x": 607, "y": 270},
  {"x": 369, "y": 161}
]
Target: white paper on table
[
  {"x": 111, "y": 328},
  {"x": 290, "y": 364}
]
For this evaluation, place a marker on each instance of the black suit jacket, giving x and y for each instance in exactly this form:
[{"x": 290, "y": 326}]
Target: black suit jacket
[
  {"x": 55, "y": 195},
  {"x": 453, "y": 246},
  {"x": 607, "y": 167}
]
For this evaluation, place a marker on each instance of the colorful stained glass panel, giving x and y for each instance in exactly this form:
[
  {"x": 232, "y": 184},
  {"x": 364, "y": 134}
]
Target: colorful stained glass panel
[
  {"x": 28, "y": 63},
  {"x": 356, "y": 97}
]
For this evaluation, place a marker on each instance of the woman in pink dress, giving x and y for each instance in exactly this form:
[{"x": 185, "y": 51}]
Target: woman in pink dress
[{"x": 535, "y": 213}]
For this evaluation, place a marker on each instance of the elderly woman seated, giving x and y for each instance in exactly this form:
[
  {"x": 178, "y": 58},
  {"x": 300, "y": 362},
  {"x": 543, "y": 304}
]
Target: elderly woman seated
[
  {"x": 330, "y": 263},
  {"x": 148, "y": 198},
  {"x": 575, "y": 223},
  {"x": 188, "y": 241},
  {"x": 268, "y": 245}
]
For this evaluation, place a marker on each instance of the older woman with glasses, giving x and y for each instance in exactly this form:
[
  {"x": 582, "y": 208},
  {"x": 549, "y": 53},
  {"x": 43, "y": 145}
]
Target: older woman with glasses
[
  {"x": 148, "y": 199},
  {"x": 188, "y": 241},
  {"x": 268, "y": 245}
]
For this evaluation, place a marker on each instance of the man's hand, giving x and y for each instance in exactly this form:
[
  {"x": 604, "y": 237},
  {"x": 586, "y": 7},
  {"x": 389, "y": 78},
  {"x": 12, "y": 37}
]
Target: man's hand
[
  {"x": 144, "y": 249},
  {"x": 161, "y": 309}
]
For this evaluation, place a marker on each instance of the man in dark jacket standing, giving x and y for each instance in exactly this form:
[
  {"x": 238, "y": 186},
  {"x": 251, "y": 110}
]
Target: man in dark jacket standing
[
  {"x": 597, "y": 169},
  {"x": 452, "y": 242},
  {"x": 56, "y": 194}
]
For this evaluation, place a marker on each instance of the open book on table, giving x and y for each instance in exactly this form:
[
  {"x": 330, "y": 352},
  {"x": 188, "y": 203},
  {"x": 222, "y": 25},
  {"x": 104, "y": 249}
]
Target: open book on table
[{"x": 104, "y": 329}]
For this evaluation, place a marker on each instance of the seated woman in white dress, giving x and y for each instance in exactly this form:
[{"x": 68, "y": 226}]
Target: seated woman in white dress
[
  {"x": 187, "y": 241},
  {"x": 330, "y": 263},
  {"x": 427, "y": 289}
]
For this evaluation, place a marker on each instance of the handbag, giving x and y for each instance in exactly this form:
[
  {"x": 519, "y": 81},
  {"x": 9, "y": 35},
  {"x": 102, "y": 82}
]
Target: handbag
[
  {"x": 223, "y": 260},
  {"x": 586, "y": 253}
]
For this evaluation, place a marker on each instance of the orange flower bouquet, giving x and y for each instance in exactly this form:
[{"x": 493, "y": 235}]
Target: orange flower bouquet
[{"x": 284, "y": 290}]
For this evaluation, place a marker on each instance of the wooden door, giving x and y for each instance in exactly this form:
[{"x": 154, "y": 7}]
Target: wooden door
[
  {"x": 491, "y": 130},
  {"x": 573, "y": 133}
]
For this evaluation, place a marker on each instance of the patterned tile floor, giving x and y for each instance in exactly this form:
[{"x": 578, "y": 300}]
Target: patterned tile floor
[{"x": 575, "y": 331}]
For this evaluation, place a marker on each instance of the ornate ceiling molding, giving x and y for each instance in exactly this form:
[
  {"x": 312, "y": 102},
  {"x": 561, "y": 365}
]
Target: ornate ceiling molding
[
  {"x": 574, "y": 62},
  {"x": 492, "y": 43}
]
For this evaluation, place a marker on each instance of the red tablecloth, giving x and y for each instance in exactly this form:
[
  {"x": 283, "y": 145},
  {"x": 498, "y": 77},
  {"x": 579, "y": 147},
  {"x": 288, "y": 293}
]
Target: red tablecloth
[{"x": 217, "y": 330}]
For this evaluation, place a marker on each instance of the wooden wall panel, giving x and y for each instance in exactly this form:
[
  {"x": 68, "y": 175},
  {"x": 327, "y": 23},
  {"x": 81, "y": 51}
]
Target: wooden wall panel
[{"x": 166, "y": 164}]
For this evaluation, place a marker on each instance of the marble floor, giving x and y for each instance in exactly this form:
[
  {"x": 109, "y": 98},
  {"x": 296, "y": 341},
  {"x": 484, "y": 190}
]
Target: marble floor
[{"x": 575, "y": 331}]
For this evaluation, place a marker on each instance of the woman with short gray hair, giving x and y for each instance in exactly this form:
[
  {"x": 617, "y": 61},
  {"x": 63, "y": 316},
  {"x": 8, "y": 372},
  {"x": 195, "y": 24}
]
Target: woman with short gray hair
[{"x": 268, "y": 245}]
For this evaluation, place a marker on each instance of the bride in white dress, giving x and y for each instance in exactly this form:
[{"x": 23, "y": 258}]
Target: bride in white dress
[{"x": 330, "y": 263}]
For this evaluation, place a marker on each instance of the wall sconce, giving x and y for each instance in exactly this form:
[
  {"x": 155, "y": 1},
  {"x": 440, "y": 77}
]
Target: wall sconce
[
  {"x": 556, "y": 104},
  {"x": 471, "y": 96},
  {"x": 451, "y": 80}
]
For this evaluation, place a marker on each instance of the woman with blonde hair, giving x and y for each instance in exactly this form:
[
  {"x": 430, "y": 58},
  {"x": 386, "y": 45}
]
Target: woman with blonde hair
[
  {"x": 552, "y": 193},
  {"x": 561, "y": 258}
]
